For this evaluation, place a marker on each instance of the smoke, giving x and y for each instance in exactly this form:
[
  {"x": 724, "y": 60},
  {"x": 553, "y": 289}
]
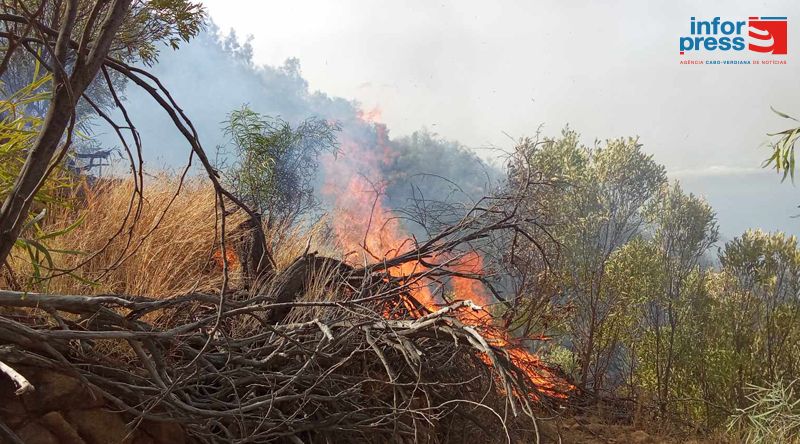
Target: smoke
[
  {"x": 214, "y": 74},
  {"x": 210, "y": 77}
]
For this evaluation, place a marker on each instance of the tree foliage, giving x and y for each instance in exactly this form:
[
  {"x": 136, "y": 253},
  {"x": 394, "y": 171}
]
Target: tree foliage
[
  {"x": 645, "y": 310},
  {"x": 274, "y": 164},
  {"x": 594, "y": 207},
  {"x": 783, "y": 157},
  {"x": 76, "y": 42}
]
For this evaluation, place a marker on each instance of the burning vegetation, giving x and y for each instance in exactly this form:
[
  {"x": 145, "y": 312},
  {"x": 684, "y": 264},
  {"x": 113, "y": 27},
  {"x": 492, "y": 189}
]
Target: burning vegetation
[
  {"x": 320, "y": 282},
  {"x": 243, "y": 331},
  {"x": 393, "y": 341}
]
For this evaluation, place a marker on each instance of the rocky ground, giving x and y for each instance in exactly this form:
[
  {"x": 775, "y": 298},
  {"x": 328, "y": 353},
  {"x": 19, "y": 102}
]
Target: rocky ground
[
  {"x": 61, "y": 411},
  {"x": 591, "y": 430}
]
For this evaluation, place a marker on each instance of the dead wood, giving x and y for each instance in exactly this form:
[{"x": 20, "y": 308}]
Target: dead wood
[
  {"x": 295, "y": 280},
  {"x": 323, "y": 351},
  {"x": 250, "y": 246}
]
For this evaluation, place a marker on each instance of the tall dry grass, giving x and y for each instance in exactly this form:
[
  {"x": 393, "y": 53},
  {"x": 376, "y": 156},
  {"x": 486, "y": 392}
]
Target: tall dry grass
[{"x": 169, "y": 250}]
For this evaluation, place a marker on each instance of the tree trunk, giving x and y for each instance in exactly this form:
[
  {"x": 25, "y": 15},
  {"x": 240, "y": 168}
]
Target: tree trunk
[
  {"x": 59, "y": 114},
  {"x": 16, "y": 206}
]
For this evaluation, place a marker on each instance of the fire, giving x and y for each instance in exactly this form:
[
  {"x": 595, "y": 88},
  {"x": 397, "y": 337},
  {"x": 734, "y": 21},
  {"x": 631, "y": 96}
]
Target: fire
[
  {"x": 364, "y": 227},
  {"x": 372, "y": 116},
  {"x": 230, "y": 255}
]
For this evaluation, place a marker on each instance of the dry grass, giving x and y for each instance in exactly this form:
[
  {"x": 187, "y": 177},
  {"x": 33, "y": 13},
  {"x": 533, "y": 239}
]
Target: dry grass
[
  {"x": 165, "y": 253},
  {"x": 290, "y": 242},
  {"x": 362, "y": 369}
]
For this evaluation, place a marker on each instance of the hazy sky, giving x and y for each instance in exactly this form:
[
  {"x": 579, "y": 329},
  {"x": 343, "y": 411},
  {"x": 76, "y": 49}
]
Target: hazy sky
[{"x": 476, "y": 70}]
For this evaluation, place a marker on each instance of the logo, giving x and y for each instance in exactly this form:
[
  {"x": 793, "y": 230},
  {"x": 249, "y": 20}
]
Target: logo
[
  {"x": 764, "y": 35},
  {"x": 768, "y": 34}
]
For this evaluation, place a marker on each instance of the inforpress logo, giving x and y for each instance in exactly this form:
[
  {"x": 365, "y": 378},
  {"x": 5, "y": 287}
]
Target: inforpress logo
[
  {"x": 757, "y": 34},
  {"x": 768, "y": 34}
]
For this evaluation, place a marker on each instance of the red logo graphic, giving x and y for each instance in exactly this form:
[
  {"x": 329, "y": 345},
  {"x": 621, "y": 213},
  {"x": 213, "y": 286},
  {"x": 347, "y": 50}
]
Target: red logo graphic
[{"x": 768, "y": 34}]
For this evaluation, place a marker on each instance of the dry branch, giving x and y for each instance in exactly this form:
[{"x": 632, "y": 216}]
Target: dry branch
[
  {"x": 364, "y": 363},
  {"x": 23, "y": 386}
]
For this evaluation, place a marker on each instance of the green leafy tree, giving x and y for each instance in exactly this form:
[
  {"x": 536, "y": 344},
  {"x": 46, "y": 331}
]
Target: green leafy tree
[
  {"x": 635, "y": 277},
  {"x": 765, "y": 310},
  {"x": 18, "y": 130},
  {"x": 274, "y": 164},
  {"x": 594, "y": 207},
  {"x": 683, "y": 228},
  {"x": 72, "y": 40}
]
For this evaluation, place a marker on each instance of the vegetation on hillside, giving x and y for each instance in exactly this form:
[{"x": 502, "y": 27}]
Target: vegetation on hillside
[
  {"x": 649, "y": 311},
  {"x": 578, "y": 279}
]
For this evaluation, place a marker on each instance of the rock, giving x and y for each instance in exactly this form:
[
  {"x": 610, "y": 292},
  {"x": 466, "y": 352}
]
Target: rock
[
  {"x": 52, "y": 389},
  {"x": 58, "y": 391},
  {"x": 99, "y": 426},
  {"x": 63, "y": 410},
  {"x": 59, "y": 427},
  {"x": 35, "y": 433},
  {"x": 12, "y": 411},
  {"x": 549, "y": 431}
]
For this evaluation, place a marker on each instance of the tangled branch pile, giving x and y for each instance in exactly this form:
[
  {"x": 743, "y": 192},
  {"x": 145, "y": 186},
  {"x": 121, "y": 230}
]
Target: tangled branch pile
[
  {"x": 322, "y": 351},
  {"x": 319, "y": 351}
]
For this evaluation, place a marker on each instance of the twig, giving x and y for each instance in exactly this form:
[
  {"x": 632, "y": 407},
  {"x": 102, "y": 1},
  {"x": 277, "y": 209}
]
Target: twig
[{"x": 23, "y": 386}]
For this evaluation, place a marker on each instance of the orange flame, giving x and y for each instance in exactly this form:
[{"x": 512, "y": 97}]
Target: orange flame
[
  {"x": 372, "y": 116},
  {"x": 230, "y": 255},
  {"x": 363, "y": 226}
]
